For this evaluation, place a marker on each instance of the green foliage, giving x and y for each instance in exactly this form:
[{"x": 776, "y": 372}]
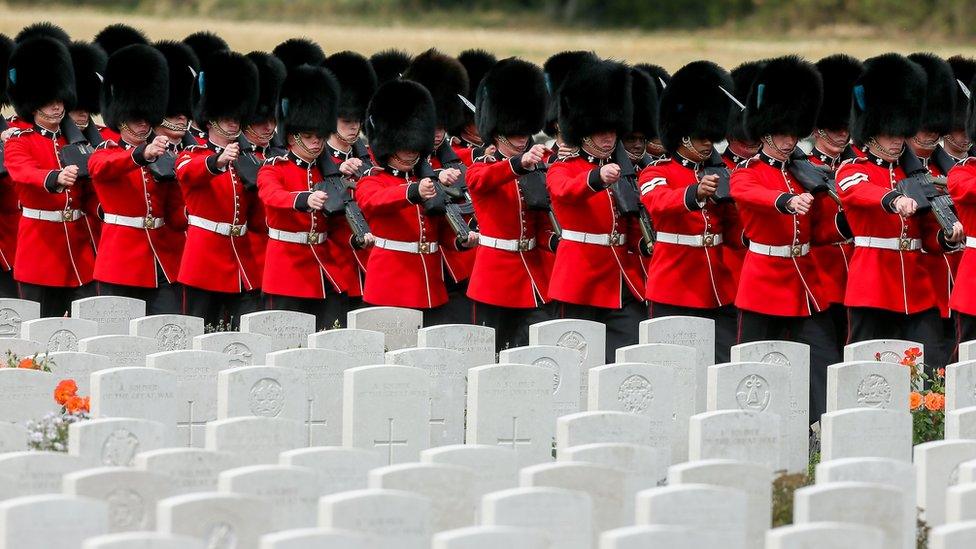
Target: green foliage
[{"x": 783, "y": 488}]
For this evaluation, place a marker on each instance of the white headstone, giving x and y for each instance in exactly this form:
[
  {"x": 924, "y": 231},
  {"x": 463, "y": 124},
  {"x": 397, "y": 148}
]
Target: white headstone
[
  {"x": 50, "y": 520},
  {"x": 873, "y": 505},
  {"x": 292, "y": 491},
  {"x": 718, "y": 512},
  {"x": 140, "y": 393},
  {"x": 130, "y": 494},
  {"x": 13, "y": 438},
  {"x": 736, "y": 434},
  {"x": 196, "y": 389},
  {"x": 287, "y": 329},
  {"x": 478, "y": 537},
  {"x": 960, "y": 503},
  {"x": 511, "y": 405},
  {"x": 867, "y": 384},
  {"x": 339, "y": 469},
  {"x": 142, "y": 540},
  {"x": 447, "y": 372},
  {"x": 881, "y": 350},
  {"x": 111, "y": 313},
  {"x": 599, "y": 426},
  {"x": 171, "y": 332},
  {"x": 398, "y": 325},
  {"x": 937, "y": 468},
  {"x": 396, "y": 519},
  {"x": 453, "y": 502},
  {"x": 365, "y": 346},
  {"x": 188, "y": 469},
  {"x": 244, "y": 348},
  {"x": 953, "y": 536},
  {"x": 219, "y": 520},
  {"x": 960, "y": 423},
  {"x": 644, "y": 467},
  {"x": 58, "y": 333},
  {"x": 316, "y": 538},
  {"x": 641, "y": 389},
  {"x": 613, "y": 505},
  {"x": 114, "y": 441},
  {"x": 254, "y": 440},
  {"x": 565, "y": 515},
  {"x": 17, "y": 348},
  {"x": 564, "y": 364},
  {"x": 836, "y": 535},
  {"x": 264, "y": 391},
  {"x": 35, "y": 472},
  {"x": 642, "y": 537},
  {"x": 495, "y": 467},
  {"x": 26, "y": 394},
  {"x": 475, "y": 343},
  {"x": 77, "y": 366},
  {"x": 690, "y": 331},
  {"x": 385, "y": 408},
  {"x": 14, "y": 312},
  {"x": 866, "y": 432},
  {"x": 960, "y": 384},
  {"x": 586, "y": 337}
]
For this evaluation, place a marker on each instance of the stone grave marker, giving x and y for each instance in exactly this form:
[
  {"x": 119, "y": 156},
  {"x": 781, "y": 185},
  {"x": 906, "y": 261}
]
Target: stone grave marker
[
  {"x": 14, "y": 312},
  {"x": 140, "y": 393},
  {"x": 867, "y": 384},
  {"x": 26, "y": 394},
  {"x": 644, "y": 467},
  {"x": 395, "y": 519},
  {"x": 50, "y": 520},
  {"x": 58, "y": 333},
  {"x": 960, "y": 423},
  {"x": 953, "y": 536},
  {"x": 254, "y": 440},
  {"x": 171, "y": 332},
  {"x": 836, "y": 535},
  {"x": 18, "y": 348},
  {"x": 866, "y": 432},
  {"x": 398, "y": 325},
  {"x": 453, "y": 503},
  {"x": 642, "y": 537},
  {"x": 219, "y": 520},
  {"x": 447, "y": 373},
  {"x": 960, "y": 385},
  {"x": 565, "y": 515},
  {"x": 122, "y": 350},
  {"x": 287, "y": 329},
  {"x": 35, "y": 472},
  {"x": 475, "y": 537},
  {"x": 882, "y": 350},
  {"x": 114, "y": 441},
  {"x": 339, "y": 469},
  {"x": 689, "y": 331},
  {"x": 385, "y": 408},
  {"x": 595, "y": 427},
  {"x": 188, "y": 469},
  {"x": 314, "y": 538},
  {"x": 292, "y": 491},
  {"x": 587, "y": 338},
  {"x": 937, "y": 468},
  {"x": 244, "y": 348},
  {"x": 264, "y": 391},
  {"x": 142, "y": 540},
  {"x": 111, "y": 313},
  {"x": 495, "y": 467},
  {"x": 612, "y": 506},
  {"x": 740, "y": 435},
  {"x": 13, "y": 438},
  {"x": 718, "y": 512},
  {"x": 961, "y": 503},
  {"x": 967, "y": 351},
  {"x": 196, "y": 389},
  {"x": 77, "y": 366},
  {"x": 367, "y": 347},
  {"x": 475, "y": 343},
  {"x": 640, "y": 389},
  {"x": 564, "y": 364},
  {"x": 873, "y": 505},
  {"x": 130, "y": 494}
]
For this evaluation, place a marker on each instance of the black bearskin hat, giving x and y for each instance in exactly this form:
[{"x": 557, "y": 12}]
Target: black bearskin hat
[
  {"x": 401, "y": 116},
  {"x": 389, "y": 64},
  {"x": 940, "y": 92},
  {"x": 784, "y": 98},
  {"x": 644, "y": 95},
  {"x": 476, "y": 63},
  {"x": 6, "y": 47},
  {"x": 299, "y": 51},
  {"x": 183, "y": 68},
  {"x": 511, "y": 100},
  {"x": 89, "y": 62},
  {"x": 596, "y": 97},
  {"x": 888, "y": 98},
  {"x": 135, "y": 87},
  {"x": 271, "y": 76},
  {"x": 226, "y": 87},
  {"x": 555, "y": 70},
  {"x": 114, "y": 37},
  {"x": 309, "y": 101},
  {"x": 445, "y": 79},
  {"x": 838, "y": 72},
  {"x": 742, "y": 79},
  {"x": 964, "y": 70},
  {"x": 45, "y": 29},
  {"x": 204, "y": 43},
  {"x": 658, "y": 74},
  {"x": 357, "y": 83},
  {"x": 40, "y": 72},
  {"x": 693, "y": 104}
]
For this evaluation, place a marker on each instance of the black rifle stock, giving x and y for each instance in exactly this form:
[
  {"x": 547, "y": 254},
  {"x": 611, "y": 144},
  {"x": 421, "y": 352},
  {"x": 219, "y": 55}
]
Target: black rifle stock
[
  {"x": 714, "y": 165},
  {"x": 78, "y": 150},
  {"x": 627, "y": 196},
  {"x": 340, "y": 200},
  {"x": 927, "y": 191},
  {"x": 814, "y": 179}
]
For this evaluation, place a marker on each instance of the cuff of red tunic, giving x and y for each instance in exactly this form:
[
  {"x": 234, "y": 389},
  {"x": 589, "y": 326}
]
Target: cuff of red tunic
[
  {"x": 139, "y": 156},
  {"x": 888, "y": 201},
  {"x": 413, "y": 193},
  {"x": 691, "y": 198},
  {"x": 51, "y": 182},
  {"x": 594, "y": 182},
  {"x": 783, "y": 203},
  {"x": 212, "y": 165},
  {"x": 301, "y": 201},
  {"x": 516, "y": 163}
]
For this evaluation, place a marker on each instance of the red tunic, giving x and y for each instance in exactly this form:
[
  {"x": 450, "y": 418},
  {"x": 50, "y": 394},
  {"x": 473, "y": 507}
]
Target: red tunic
[
  {"x": 880, "y": 278},
  {"x": 502, "y": 214},
  {"x": 49, "y": 253},
  {"x": 129, "y": 255},
  {"x": 458, "y": 264},
  {"x": 831, "y": 250},
  {"x": 962, "y": 188},
  {"x": 698, "y": 277},
  {"x": 774, "y": 285},
  {"x": 399, "y": 278},
  {"x": 587, "y": 273},
  {"x": 942, "y": 266},
  {"x": 297, "y": 269},
  {"x": 212, "y": 261}
]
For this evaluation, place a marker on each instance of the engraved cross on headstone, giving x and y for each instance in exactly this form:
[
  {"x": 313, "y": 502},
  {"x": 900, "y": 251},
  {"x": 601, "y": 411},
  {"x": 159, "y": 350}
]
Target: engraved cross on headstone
[
  {"x": 309, "y": 422},
  {"x": 514, "y": 440},
  {"x": 390, "y": 442},
  {"x": 189, "y": 424}
]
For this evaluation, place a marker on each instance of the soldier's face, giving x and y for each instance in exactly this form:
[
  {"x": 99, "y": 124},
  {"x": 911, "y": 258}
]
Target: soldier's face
[
  {"x": 634, "y": 143},
  {"x": 404, "y": 160},
  {"x": 516, "y": 144},
  {"x": 53, "y": 112},
  {"x": 604, "y": 140},
  {"x": 958, "y": 142},
  {"x": 439, "y": 135},
  {"x": 655, "y": 147},
  {"x": 784, "y": 143},
  {"x": 136, "y": 130},
  {"x": 313, "y": 142},
  {"x": 80, "y": 118},
  {"x": 229, "y": 125},
  {"x": 702, "y": 146},
  {"x": 348, "y": 129},
  {"x": 262, "y": 132},
  {"x": 745, "y": 148},
  {"x": 889, "y": 147},
  {"x": 924, "y": 142}
]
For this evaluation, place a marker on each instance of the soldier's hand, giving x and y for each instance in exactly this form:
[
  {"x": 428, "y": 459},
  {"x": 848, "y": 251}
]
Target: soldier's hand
[
  {"x": 5, "y": 135},
  {"x": 229, "y": 155},
  {"x": 958, "y": 235},
  {"x": 316, "y": 200},
  {"x": 905, "y": 206},
  {"x": 533, "y": 156},
  {"x": 449, "y": 176},
  {"x": 368, "y": 240},
  {"x": 155, "y": 148},
  {"x": 350, "y": 167},
  {"x": 707, "y": 186},
  {"x": 472, "y": 240},
  {"x": 68, "y": 176},
  {"x": 801, "y": 203},
  {"x": 427, "y": 190},
  {"x": 609, "y": 173}
]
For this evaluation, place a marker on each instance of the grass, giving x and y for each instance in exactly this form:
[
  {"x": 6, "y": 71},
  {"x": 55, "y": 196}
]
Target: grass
[{"x": 728, "y": 46}]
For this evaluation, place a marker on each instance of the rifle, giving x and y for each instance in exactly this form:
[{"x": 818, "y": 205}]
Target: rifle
[
  {"x": 943, "y": 160},
  {"x": 78, "y": 149},
  {"x": 247, "y": 164},
  {"x": 535, "y": 194},
  {"x": 164, "y": 168},
  {"x": 441, "y": 203},
  {"x": 927, "y": 191},
  {"x": 627, "y": 196},
  {"x": 360, "y": 151},
  {"x": 458, "y": 192},
  {"x": 714, "y": 165},
  {"x": 814, "y": 179},
  {"x": 340, "y": 200}
]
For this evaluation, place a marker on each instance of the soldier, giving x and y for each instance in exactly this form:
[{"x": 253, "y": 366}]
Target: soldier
[
  {"x": 556, "y": 69},
  {"x": 55, "y": 202},
  {"x": 957, "y": 143},
  {"x": 142, "y": 237},
  {"x": 117, "y": 36},
  {"x": 219, "y": 266},
  {"x": 597, "y": 274},
  {"x": 301, "y": 271},
  {"x": 464, "y": 137},
  {"x": 889, "y": 290},
  {"x": 660, "y": 76},
  {"x": 183, "y": 67},
  {"x": 89, "y": 63},
  {"x": 299, "y": 51},
  {"x": 9, "y": 209},
  {"x": 780, "y": 296},
  {"x": 44, "y": 28},
  {"x": 203, "y": 44},
  {"x": 643, "y": 130},
  {"x": 404, "y": 267},
  {"x": 511, "y": 109},
  {"x": 689, "y": 272},
  {"x": 389, "y": 65},
  {"x": 962, "y": 188}
]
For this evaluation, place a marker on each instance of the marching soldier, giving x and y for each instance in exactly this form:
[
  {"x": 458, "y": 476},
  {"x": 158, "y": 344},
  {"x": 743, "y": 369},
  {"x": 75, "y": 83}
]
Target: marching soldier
[
  {"x": 889, "y": 290},
  {"x": 89, "y": 64},
  {"x": 117, "y": 36},
  {"x": 389, "y": 65},
  {"x": 301, "y": 271},
  {"x": 183, "y": 67},
  {"x": 295, "y": 52},
  {"x": 9, "y": 208},
  {"x": 962, "y": 188},
  {"x": 142, "y": 238},
  {"x": 464, "y": 137},
  {"x": 556, "y": 69},
  {"x": 597, "y": 274},
  {"x": 660, "y": 76},
  {"x": 957, "y": 143},
  {"x": 55, "y": 202},
  {"x": 511, "y": 109},
  {"x": 780, "y": 296},
  {"x": 689, "y": 272},
  {"x": 219, "y": 267},
  {"x": 404, "y": 267},
  {"x": 643, "y": 130}
]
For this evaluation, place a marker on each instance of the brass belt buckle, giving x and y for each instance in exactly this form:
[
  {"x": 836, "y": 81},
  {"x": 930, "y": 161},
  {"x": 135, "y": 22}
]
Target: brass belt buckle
[
  {"x": 235, "y": 230},
  {"x": 523, "y": 245},
  {"x": 67, "y": 215},
  {"x": 614, "y": 239},
  {"x": 796, "y": 250},
  {"x": 423, "y": 247},
  {"x": 708, "y": 240},
  {"x": 312, "y": 237},
  {"x": 904, "y": 244},
  {"x": 149, "y": 222}
]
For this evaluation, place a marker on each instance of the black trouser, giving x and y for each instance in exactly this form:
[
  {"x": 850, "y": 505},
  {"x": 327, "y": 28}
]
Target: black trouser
[
  {"x": 329, "y": 312},
  {"x": 816, "y": 330},
  {"x": 55, "y": 300},
  {"x": 166, "y": 298},
  {"x": 511, "y": 325},
  {"x": 965, "y": 329},
  {"x": 726, "y": 324},
  {"x": 459, "y": 308},
  {"x": 838, "y": 315},
  {"x": 356, "y": 303},
  {"x": 924, "y": 327},
  {"x": 621, "y": 323},
  {"x": 216, "y": 308},
  {"x": 950, "y": 342},
  {"x": 8, "y": 286}
]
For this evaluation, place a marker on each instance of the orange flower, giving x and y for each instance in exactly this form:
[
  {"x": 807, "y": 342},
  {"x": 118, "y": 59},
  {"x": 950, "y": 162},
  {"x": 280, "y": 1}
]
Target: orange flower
[
  {"x": 914, "y": 400},
  {"x": 66, "y": 389},
  {"x": 934, "y": 402},
  {"x": 907, "y": 361},
  {"x": 27, "y": 364},
  {"x": 914, "y": 352},
  {"x": 76, "y": 404},
  {"x": 941, "y": 372}
]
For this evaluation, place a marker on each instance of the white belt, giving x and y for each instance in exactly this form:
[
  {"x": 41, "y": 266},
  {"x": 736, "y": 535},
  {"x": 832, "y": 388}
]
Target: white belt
[
  {"x": 53, "y": 215},
  {"x": 296, "y": 238},
  {"x": 148, "y": 222},
  {"x": 225, "y": 229},
  {"x": 970, "y": 242},
  {"x": 409, "y": 247},
  {"x": 795, "y": 250},
  {"x": 615, "y": 239},
  {"x": 706, "y": 240},
  {"x": 897, "y": 244},
  {"x": 509, "y": 245}
]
